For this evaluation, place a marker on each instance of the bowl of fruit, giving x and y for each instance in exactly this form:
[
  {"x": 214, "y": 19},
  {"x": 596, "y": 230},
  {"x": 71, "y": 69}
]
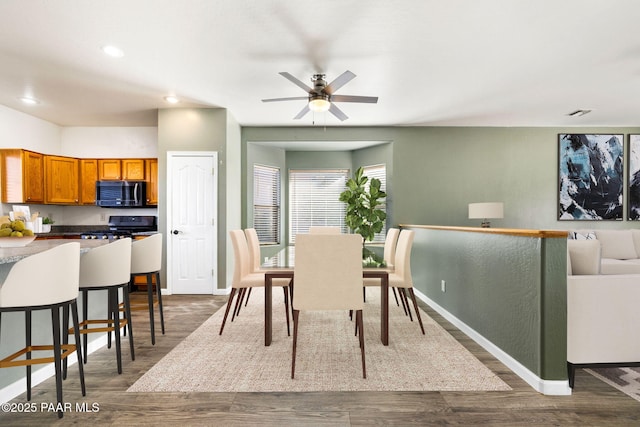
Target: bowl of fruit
[{"x": 14, "y": 234}]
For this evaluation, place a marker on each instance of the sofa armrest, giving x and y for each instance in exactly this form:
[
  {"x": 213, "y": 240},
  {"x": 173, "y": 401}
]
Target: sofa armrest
[{"x": 603, "y": 318}]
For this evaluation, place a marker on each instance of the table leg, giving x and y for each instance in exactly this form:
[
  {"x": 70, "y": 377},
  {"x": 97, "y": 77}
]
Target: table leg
[
  {"x": 267, "y": 308},
  {"x": 384, "y": 310}
]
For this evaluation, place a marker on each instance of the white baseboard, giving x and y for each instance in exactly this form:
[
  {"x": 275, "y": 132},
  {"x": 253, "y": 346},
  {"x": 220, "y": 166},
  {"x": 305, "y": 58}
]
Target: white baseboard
[
  {"x": 547, "y": 387},
  {"x": 47, "y": 371}
]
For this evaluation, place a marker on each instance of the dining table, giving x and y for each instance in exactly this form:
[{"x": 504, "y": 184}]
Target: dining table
[{"x": 282, "y": 265}]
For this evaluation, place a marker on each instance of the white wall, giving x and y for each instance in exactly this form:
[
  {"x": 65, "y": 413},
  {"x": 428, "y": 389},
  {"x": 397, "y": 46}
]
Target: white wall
[{"x": 19, "y": 130}]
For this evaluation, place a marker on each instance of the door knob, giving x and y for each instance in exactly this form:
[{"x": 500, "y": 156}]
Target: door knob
[{"x": 175, "y": 232}]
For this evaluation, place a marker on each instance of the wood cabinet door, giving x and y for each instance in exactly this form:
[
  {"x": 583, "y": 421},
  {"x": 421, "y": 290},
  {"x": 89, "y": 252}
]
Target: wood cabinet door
[
  {"x": 133, "y": 169},
  {"x": 88, "y": 178},
  {"x": 33, "y": 177},
  {"x": 109, "y": 169},
  {"x": 152, "y": 181},
  {"x": 61, "y": 180}
]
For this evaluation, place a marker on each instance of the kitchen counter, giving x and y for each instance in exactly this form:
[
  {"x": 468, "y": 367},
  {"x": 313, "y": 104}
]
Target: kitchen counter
[{"x": 11, "y": 255}]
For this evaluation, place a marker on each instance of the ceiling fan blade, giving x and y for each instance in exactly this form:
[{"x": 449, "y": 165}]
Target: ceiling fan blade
[
  {"x": 295, "y": 98},
  {"x": 352, "y": 98},
  {"x": 337, "y": 112},
  {"x": 302, "y": 112},
  {"x": 295, "y": 81},
  {"x": 340, "y": 81}
]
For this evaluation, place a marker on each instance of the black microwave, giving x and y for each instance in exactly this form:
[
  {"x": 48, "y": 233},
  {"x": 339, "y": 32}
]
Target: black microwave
[{"x": 121, "y": 194}]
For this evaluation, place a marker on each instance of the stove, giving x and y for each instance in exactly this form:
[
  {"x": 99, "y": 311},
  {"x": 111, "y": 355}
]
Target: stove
[{"x": 122, "y": 226}]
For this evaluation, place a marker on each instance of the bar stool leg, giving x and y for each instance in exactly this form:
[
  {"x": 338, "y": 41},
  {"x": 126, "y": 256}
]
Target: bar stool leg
[
  {"x": 65, "y": 337},
  {"x": 27, "y": 325},
  {"x": 76, "y": 335},
  {"x": 55, "y": 320},
  {"x": 127, "y": 311},
  {"x": 159, "y": 294},
  {"x": 113, "y": 311},
  {"x": 85, "y": 316},
  {"x": 151, "y": 310}
]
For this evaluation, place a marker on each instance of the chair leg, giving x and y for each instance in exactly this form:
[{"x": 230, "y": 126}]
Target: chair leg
[
  {"x": 65, "y": 336},
  {"x": 57, "y": 353},
  {"x": 359, "y": 321},
  {"x": 127, "y": 312},
  {"x": 76, "y": 330},
  {"x": 151, "y": 310},
  {"x": 395, "y": 296},
  {"x": 364, "y": 294},
  {"x": 286, "y": 307},
  {"x": 27, "y": 323},
  {"x": 296, "y": 314},
  {"x": 404, "y": 306},
  {"x": 571, "y": 371},
  {"x": 239, "y": 299},
  {"x": 248, "y": 295},
  {"x": 159, "y": 296},
  {"x": 415, "y": 306},
  {"x": 115, "y": 312},
  {"x": 226, "y": 312},
  {"x": 403, "y": 293},
  {"x": 85, "y": 316}
]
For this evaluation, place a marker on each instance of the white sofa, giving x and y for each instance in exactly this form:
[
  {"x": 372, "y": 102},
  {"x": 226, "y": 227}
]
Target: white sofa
[
  {"x": 620, "y": 249},
  {"x": 603, "y": 315}
]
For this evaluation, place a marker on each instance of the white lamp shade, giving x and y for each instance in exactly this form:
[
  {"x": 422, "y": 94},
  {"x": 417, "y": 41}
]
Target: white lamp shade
[{"x": 486, "y": 210}]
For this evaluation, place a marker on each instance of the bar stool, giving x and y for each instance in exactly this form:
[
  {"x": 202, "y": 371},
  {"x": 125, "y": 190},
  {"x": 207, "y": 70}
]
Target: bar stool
[
  {"x": 107, "y": 268},
  {"x": 146, "y": 261},
  {"x": 47, "y": 280}
]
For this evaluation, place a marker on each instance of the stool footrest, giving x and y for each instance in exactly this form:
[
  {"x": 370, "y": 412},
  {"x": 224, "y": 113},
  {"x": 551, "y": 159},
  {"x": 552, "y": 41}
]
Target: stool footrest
[
  {"x": 109, "y": 328},
  {"x": 10, "y": 361}
]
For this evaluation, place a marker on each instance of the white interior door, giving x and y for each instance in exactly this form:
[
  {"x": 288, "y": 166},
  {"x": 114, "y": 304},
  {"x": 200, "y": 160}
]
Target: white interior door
[{"x": 192, "y": 195}]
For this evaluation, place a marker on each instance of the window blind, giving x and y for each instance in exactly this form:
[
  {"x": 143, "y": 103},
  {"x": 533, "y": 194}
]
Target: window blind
[
  {"x": 314, "y": 200},
  {"x": 266, "y": 203}
]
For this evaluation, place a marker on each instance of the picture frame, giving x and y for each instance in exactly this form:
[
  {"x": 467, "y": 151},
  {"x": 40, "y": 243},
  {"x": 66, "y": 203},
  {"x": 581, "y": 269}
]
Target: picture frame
[
  {"x": 591, "y": 176},
  {"x": 633, "y": 194}
]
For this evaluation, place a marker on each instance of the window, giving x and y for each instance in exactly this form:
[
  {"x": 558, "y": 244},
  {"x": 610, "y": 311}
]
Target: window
[
  {"x": 378, "y": 172},
  {"x": 314, "y": 200},
  {"x": 266, "y": 203}
]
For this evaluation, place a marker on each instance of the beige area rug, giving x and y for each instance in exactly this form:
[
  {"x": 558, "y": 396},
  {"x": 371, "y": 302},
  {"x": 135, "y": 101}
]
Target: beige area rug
[
  {"x": 627, "y": 380},
  {"x": 328, "y": 356}
]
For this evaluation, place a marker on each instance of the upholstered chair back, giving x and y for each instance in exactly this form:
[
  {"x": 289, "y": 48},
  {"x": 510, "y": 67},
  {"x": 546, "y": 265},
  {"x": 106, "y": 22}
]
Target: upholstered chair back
[
  {"x": 106, "y": 265},
  {"x": 146, "y": 254},
  {"x": 390, "y": 243},
  {"x": 324, "y": 230},
  {"x": 328, "y": 272},
  {"x": 253, "y": 244},
  {"x": 402, "y": 263}
]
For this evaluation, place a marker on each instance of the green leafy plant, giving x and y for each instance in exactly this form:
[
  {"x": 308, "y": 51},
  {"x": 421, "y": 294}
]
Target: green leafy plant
[
  {"x": 47, "y": 220},
  {"x": 363, "y": 216}
]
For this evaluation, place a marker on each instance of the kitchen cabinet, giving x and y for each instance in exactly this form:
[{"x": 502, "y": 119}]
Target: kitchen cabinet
[
  {"x": 151, "y": 177},
  {"x": 88, "y": 178},
  {"x": 125, "y": 169},
  {"x": 22, "y": 176},
  {"x": 61, "y": 180}
]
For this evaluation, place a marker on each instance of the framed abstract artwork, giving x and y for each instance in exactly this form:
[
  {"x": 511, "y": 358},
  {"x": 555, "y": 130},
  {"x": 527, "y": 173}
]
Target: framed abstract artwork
[
  {"x": 634, "y": 177},
  {"x": 590, "y": 177}
]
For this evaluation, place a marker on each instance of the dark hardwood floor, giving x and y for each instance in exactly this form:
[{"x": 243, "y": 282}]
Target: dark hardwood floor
[{"x": 593, "y": 402}]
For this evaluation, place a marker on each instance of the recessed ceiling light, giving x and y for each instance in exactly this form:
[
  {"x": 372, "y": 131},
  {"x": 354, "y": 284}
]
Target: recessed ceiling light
[
  {"x": 29, "y": 100},
  {"x": 579, "y": 113},
  {"x": 113, "y": 51},
  {"x": 171, "y": 99}
]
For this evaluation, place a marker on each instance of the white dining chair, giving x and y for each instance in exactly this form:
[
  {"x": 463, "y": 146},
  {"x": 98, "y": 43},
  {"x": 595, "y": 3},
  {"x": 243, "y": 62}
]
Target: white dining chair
[
  {"x": 401, "y": 278},
  {"x": 328, "y": 276},
  {"x": 324, "y": 230},
  {"x": 46, "y": 280},
  {"x": 253, "y": 243},
  {"x": 244, "y": 278},
  {"x": 107, "y": 268},
  {"x": 389, "y": 256}
]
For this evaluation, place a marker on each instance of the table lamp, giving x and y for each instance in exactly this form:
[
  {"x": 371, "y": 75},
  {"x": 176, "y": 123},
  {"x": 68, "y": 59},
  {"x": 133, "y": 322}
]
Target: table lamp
[{"x": 486, "y": 211}]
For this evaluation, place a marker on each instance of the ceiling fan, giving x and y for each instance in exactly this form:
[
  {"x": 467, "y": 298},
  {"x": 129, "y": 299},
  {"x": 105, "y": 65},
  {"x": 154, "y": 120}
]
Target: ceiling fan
[{"x": 322, "y": 96}]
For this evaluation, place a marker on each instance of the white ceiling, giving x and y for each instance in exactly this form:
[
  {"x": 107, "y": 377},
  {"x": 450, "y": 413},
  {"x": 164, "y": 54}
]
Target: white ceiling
[{"x": 430, "y": 62}]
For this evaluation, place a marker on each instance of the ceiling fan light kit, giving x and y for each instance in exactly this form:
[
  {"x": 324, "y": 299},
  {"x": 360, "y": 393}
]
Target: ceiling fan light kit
[{"x": 321, "y": 97}]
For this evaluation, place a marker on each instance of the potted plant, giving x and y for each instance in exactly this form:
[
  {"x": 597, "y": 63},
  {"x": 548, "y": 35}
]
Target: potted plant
[
  {"x": 46, "y": 224},
  {"x": 363, "y": 216}
]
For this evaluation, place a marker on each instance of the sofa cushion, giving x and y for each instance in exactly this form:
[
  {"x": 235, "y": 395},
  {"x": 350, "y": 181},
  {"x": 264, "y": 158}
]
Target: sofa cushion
[
  {"x": 584, "y": 256},
  {"x": 619, "y": 266},
  {"x": 617, "y": 244}
]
